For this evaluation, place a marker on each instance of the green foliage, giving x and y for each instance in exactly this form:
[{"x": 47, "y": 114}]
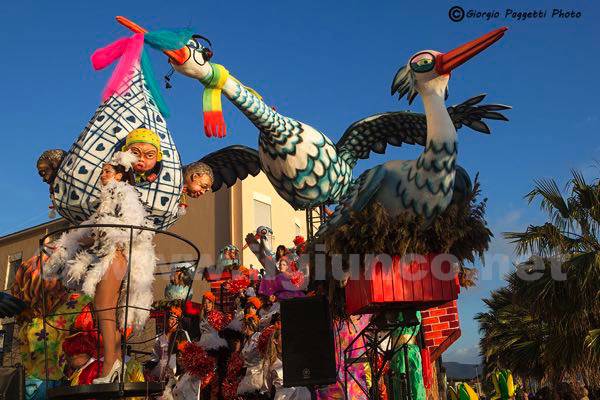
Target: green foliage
[{"x": 548, "y": 328}]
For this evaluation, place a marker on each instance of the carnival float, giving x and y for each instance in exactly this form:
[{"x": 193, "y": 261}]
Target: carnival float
[{"x": 122, "y": 183}]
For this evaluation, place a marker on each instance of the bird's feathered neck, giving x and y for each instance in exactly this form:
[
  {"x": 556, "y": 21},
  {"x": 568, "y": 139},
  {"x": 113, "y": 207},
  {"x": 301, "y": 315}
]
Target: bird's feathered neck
[{"x": 405, "y": 84}]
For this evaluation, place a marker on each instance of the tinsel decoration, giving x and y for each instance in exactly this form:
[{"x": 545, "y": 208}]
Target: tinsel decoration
[
  {"x": 197, "y": 362},
  {"x": 300, "y": 244},
  {"x": 81, "y": 343},
  {"x": 265, "y": 337},
  {"x": 297, "y": 278},
  {"x": 218, "y": 320},
  {"x": 232, "y": 377},
  {"x": 237, "y": 284}
]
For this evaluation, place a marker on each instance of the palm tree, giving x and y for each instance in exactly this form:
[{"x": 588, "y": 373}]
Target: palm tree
[
  {"x": 571, "y": 236},
  {"x": 549, "y": 327},
  {"x": 511, "y": 336}
]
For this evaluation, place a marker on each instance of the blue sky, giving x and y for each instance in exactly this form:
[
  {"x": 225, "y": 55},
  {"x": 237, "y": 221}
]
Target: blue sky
[{"x": 325, "y": 63}]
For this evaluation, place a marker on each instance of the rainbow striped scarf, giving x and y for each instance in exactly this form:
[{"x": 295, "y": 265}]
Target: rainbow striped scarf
[{"x": 214, "y": 124}]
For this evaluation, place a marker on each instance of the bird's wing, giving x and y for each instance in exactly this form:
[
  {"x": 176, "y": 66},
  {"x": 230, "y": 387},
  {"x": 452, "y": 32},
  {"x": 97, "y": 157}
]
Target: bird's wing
[
  {"x": 463, "y": 186},
  {"x": 374, "y": 133},
  {"x": 232, "y": 163},
  {"x": 470, "y": 114},
  {"x": 357, "y": 197},
  {"x": 10, "y": 306}
]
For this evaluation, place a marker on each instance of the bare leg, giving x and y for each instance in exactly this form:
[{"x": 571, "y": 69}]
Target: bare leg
[{"x": 105, "y": 302}]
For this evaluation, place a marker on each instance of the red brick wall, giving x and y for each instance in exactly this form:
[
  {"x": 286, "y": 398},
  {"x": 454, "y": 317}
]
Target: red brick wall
[{"x": 440, "y": 328}]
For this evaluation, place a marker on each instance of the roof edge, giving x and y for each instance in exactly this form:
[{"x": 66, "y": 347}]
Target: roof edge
[{"x": 31, "y": 228}]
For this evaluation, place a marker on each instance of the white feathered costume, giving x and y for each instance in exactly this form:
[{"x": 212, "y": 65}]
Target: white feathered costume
[{"x": 83, "y": 268}]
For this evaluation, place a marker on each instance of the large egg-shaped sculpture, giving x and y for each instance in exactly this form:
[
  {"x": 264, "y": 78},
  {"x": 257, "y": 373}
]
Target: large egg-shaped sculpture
[{"x": 77, "y": 185}]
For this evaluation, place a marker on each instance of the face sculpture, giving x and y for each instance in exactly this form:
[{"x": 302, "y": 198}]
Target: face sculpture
[
  {"x": 46, "y": 171},
  {"x": 145, "y": 145},
  {"x": 197, "y": 179},
  {"x": 48, "y": 163},
  {"x": 228, "y": 257},
  {"x": 231, "y": 253},
  {"x": 147, "y": 156},
  {"x": 196, "y": 185}
]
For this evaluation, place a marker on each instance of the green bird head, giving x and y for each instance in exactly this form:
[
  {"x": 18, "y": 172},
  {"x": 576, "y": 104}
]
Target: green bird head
[
  {"x": 462, "y": 391},
  {"x": 503, "y": 384}
]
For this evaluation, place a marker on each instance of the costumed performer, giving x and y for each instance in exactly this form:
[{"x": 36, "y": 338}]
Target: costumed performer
[
  {"x": 81, "y": 351},
  {"x": 270, "y": 309},
  {"x": 408, "y": 336},
  {"x": 253, "y": 305},
  {"x": 207, "y": 307},
  {"x": 182, "y": 384},
  {"x": 287, "y": 281},
  {"x": 252, "y": 382},
  {"x": 163, "y": 359},
  {"x": 211, "y": 323},
  {"x": 97, "y": 258},
  {"x": 227, "y": 268}
]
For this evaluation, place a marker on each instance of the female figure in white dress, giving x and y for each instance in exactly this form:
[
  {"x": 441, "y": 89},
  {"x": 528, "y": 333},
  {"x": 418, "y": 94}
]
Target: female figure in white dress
[{"x": 95, "y": 259}]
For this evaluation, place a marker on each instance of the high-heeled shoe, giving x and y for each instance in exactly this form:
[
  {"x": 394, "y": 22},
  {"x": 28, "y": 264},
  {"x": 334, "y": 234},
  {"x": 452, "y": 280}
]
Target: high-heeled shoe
[{"x": 113, "y": 375}]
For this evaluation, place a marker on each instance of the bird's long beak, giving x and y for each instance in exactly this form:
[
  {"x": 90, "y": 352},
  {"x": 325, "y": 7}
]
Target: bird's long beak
[
  {"x": 178, "y": 56},
  {"x": 446, "y": 62}
]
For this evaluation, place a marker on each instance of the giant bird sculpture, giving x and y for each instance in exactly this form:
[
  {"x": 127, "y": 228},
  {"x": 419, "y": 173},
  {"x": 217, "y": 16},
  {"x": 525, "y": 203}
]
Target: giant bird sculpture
[
  {"x": 424, "y": 186},
  {"x": 306, "y": 168}
]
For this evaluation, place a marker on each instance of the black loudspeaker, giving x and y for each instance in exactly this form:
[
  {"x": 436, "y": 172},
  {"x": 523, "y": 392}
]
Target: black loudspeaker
[
  {"x": 307, "y": 342},
  {"x": 12, "y": 383}
]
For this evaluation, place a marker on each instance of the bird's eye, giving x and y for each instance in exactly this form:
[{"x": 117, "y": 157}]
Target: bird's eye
[
  {"x": 193, "y": 44},
  {"x": 423, "y": 62}
]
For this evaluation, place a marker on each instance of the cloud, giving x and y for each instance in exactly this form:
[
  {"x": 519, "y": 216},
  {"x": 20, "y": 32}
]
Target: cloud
[
  {"x": 512, "y": 217},
  {"x": 464, "y": 355},
  {"x": 587, "y": 120}
]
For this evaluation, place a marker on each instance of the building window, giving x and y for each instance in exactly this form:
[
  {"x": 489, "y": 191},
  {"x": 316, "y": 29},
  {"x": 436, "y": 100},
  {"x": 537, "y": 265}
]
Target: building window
[
  {"x": 262, "y": 215},
  {"x": 14, "y": 262}
]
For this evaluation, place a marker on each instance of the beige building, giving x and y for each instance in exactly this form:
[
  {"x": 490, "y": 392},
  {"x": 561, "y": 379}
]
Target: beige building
[{"x": 212, "y": 221}]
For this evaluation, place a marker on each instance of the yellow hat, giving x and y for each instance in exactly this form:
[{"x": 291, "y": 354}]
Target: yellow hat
[{"x": 143, "y": 135}]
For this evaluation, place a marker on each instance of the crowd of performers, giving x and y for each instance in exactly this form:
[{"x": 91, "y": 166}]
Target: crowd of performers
[{"x": 230, "y": 345}]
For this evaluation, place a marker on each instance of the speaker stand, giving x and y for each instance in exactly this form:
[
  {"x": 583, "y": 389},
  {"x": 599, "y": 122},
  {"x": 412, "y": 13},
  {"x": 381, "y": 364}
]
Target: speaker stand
[{"x": 376, "y": 345}]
